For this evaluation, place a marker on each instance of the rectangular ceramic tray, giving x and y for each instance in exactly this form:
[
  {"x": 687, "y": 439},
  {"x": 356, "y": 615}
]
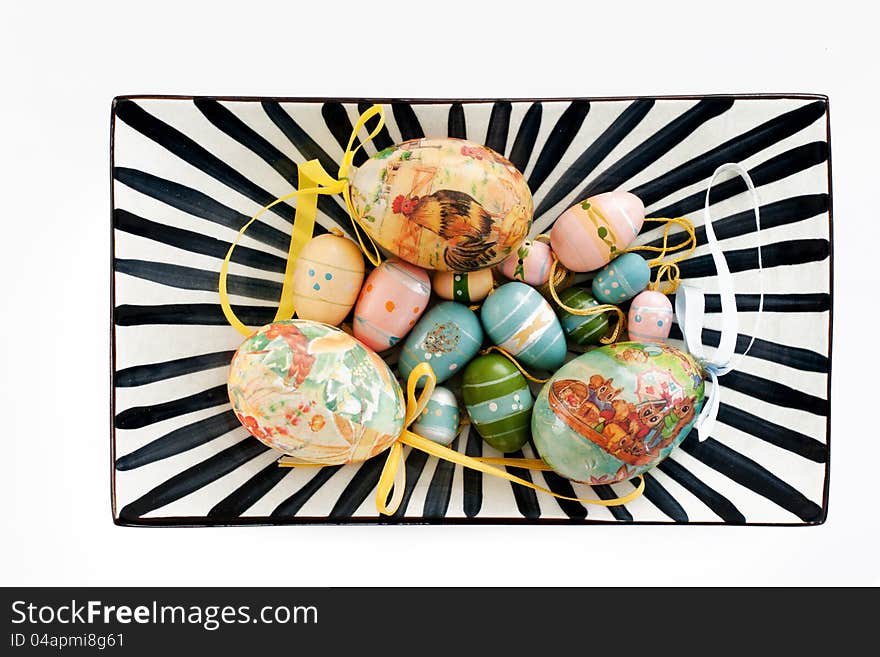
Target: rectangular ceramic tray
[{"x": 187, "y": 172}]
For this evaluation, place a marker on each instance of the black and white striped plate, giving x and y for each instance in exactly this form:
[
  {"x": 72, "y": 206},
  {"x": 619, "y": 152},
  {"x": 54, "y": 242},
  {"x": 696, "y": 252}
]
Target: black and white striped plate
[{"x": 187, "y": 172}]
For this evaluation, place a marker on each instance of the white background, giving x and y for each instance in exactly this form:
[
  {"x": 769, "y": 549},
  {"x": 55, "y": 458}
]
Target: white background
[{"x": 61, "y": 65}]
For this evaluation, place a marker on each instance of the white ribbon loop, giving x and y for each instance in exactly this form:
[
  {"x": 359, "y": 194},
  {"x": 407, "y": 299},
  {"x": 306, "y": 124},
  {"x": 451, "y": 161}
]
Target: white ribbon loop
[{"x": 690, "y": 308}]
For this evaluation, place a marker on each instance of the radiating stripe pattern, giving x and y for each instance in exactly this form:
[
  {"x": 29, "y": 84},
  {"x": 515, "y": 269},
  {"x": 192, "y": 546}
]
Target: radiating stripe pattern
[{"x": 187, "y": 173}]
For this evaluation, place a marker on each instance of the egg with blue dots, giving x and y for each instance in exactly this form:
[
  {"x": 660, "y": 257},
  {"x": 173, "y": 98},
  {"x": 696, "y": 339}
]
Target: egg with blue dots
[
  {"x": 498, "y": 401},
  {"x": 464, "y": 287},
  {"x": 440, "y": 419},
  {"x": 650, "y": 317},
  {"x": 327, "y": 278},
  {"x": 621, "y": 279}
]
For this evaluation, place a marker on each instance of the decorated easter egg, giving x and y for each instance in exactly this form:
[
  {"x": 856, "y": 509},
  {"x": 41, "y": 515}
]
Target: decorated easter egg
[
  {"x": 530, "y": 264},
  {"x": 621, "y": 279},
  {"x": 465, "y": 287},
  {"x": 498, "y": 401},
  {"x": 589, "y": 234},
  {"x": 391, "y": 301},
  {"x": 520, "y": 321},
  {"x": 616, "y": 411},
  {"x": 650, "y": 317},
  {"x": 445, "y": 204},
  {"x": 581, "y": 329},
  {"x": 447, "y": 337},
  {"x": 439, "y": 421},
  {"x": 315, "y": 393},
  {"x": 327, "y": 278}
]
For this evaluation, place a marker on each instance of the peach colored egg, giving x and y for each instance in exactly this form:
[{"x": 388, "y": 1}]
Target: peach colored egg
[
  {"x": 530, "y": 264},
  {"x": 589, "y": 234},
  {"x": 327, "y": 278},
  {"x": 650, "y": 317},
  {"x": 466, "y": 287},
  {"x": 393, "y": 298}
]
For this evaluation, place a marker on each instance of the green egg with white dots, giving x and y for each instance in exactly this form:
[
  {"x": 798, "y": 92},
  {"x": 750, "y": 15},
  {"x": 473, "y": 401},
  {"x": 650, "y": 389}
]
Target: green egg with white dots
[{"x": 498, "y": 400}]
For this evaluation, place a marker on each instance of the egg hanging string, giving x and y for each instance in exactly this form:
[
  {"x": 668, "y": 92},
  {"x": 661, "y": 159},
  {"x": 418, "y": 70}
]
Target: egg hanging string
[{"x": 509, "y": 356}]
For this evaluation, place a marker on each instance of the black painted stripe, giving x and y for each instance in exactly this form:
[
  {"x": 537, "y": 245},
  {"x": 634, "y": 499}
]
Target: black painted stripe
[
  {"x": 562, "y": 486},
  {"x": 383, "y": 139},
  {"x": 472, "y": 480},
  {"x": 560, "y": 138},
  {"x": 657, "y": 495},
  {"x": 526, "y": 136},
  {"x": 717, "y": 503},
  {"x": 180, "y": 440},
  {"x": 440, "y": 489},
  {"x": 620, "y": 512},
  {"x": 337, "y": 121},
  {"x": 190, "y": 278},
  {"x": 201, "y": 205},
  {"x": 756, "y": 478},
  {"x": 526, "y": 499},
  {"x": 774, "y": 392},
  {"x": 773, "y": 303},
  {"x": 407, "y": 121},
  {"x": 190, "y": 314},
  {"x": 657, "y": 145},
  {"x": 249, "y": 493},
  {"x": 138, "y": 375},
  {"x": 194, "y": 242},
  {"x": 778, "y": 254},
  {"x": 499, "y": 124},
  {"x": 358, "y": 488},
  {"x": 303, "y": 142},
  {"x": 783, "y": 437},
  {"x": 194, "y": 478},
  {"x": 415, "y": 464},
  {"x": 141, "y": 416},
  {"x": 456, "y": 125},
  {"x": 595, "y": 153},
  {"x": 291, "y": 506},
  {"x": 733, "y": 150}
]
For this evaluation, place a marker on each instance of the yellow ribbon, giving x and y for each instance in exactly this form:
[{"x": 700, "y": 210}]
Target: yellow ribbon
[{"x": 513, "y": 360}]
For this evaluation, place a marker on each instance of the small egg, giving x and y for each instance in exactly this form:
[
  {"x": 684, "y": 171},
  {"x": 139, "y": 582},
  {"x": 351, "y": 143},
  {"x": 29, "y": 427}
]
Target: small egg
[
  {"x": 581, "y": 329},
  {"x": 621, "y": 279},
  {"x": 650, "y": 317},
  {"x": 530, "y": 264},
  {"x": 440, "y": 419},
  {"x": 327, "y": 278},
  {"x": 392, "y": 300},
  {"x": 464, "y": 287},
  {"x": 498, "y": 400},
  {"x": 589, "y": 234}
]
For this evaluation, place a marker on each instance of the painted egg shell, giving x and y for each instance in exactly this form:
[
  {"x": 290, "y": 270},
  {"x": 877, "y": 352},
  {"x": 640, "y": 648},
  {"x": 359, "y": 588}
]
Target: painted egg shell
[
  {"x": 650, "y": 317},
  {"x": 466, "y": 287},
  {"x": 520, "y": 321},
  {"x": 498, "y": 401},
  {"x": 588, "y": 235},
  {"x": 622, "y": 279},
  {"x": 445, "y": 204},
  {"x": 447, "y": 337},
  {"x": 327, "y": 278},
  {"x": 392, "y": 300},
  {"x": 439, "y": 421},
  {"x": 616, "y": 411},
  {"x": 530, "y": 264},
  {"x": 314, "y": 392},
  {"x": 581, "y": 329}
]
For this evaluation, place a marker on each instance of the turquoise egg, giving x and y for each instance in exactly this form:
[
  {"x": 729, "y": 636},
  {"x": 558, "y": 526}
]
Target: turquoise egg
[
  {"x": 520, "y": 321},
  {"x": 621, "y": 279},
  {"x": 581, "y": 329},
  {"x": 446, "y": 337},
  {"x": 498, "y": 400},
  {"x": 439, "y": 421}
]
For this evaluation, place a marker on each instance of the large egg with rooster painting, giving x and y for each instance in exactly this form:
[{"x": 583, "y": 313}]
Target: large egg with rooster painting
[
  {"x": 443, "y": 204},
  {"x": 313, "y": 392},
  {"x": 617, "y": 411}
]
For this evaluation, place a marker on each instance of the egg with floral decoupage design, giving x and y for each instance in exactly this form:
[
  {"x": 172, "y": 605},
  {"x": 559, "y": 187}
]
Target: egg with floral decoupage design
[
  {"x": 650, "y": 317},
  {"x": 327, "y": 278},
  {"x": 622, "y": 279},
  {"x": 313, "y": 392}
]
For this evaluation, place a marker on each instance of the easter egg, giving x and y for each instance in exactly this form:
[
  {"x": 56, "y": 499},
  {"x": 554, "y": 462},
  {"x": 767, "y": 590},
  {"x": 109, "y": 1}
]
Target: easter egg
[
  {"x": 465, "y": 287},
  {"x": 589, "y": 234},
  {"x": 327, "y": 278},
  {"x": 498, "y": 401},
  {"x": 530, "y": 264},
  {"x": 650, "y": 317},
  {"x": 616, "y": 411},
  {"x": 447, "y": 337},
  {"x": 315, "y": 393},
  {"x": 581, "y": 329},
  {"x": 440, "y": 419},
  {"x": 445, "y": 204},
  {"x": 520, "y": 321},
  {"x": 391, "y": 301},
  {"x": 621, "y": 279}
]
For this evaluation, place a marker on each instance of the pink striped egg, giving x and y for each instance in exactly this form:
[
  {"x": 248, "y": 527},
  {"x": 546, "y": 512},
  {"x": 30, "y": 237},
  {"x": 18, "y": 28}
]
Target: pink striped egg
[
  {"x": 530, "y": 264},
  {"x": 650, "y": 317}
]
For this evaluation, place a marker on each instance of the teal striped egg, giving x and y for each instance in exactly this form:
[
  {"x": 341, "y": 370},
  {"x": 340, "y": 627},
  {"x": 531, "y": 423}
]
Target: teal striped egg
[
  {"x": 520, "y": 321},
  {"x": 621, "y": 279},
  {"x": 446, "y": 337},
  {"x": 581, "y": 329},
  {"x": 439, "y": 421},
  {"x": 498, "y": 401}
]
